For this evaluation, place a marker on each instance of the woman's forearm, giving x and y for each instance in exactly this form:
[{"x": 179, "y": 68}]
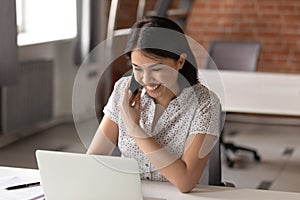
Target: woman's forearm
[
  {"x": 105, "y": 138},
  {"x": 101, "y": 144},
  {"x": 179, "y": 172}
]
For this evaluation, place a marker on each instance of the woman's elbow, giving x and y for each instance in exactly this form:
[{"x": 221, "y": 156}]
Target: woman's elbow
[
  {"x": 90, "y": 152},
  {"x": 186, "y": 187},
  {"x": 184, "y": 190}
]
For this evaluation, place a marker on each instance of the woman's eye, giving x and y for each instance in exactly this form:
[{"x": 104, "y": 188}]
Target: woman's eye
[
  {"x": 156, "y": 70},
  {"x": 137, "y": 69}
]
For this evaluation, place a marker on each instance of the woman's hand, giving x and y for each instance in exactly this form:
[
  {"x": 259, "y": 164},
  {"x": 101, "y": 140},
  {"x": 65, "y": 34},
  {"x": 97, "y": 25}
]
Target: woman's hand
[{"x": 130, "y": 112}]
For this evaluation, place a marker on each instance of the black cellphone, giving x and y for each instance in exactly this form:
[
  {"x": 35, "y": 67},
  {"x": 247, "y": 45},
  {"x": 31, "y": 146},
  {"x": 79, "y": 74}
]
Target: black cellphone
[{"x": 134, "y": 85}]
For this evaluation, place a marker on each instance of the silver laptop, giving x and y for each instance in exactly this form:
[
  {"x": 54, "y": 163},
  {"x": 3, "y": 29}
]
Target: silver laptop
[{"x": 71, "y": 176}]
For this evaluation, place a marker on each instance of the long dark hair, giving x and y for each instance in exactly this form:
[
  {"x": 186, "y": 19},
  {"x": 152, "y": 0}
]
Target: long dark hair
[{"x": 161, "y": 37}]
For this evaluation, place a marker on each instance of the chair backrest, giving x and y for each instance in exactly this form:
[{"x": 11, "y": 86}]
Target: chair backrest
[
  {"x": 214, "y": 162},
  {"x": 228, "y": 55},
  {"x": 214, "y": 166}
]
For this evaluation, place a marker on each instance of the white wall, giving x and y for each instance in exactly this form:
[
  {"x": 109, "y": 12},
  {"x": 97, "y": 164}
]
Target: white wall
[{"x": 61, "y": 52}]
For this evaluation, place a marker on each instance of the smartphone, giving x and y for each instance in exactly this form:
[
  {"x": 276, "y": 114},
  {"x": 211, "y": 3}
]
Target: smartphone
[{"x": 134, "y": 85}]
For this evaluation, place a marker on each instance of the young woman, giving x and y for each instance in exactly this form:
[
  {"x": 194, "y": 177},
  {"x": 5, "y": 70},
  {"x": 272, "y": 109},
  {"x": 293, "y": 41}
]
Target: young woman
[{"x": 170, "y": 124}]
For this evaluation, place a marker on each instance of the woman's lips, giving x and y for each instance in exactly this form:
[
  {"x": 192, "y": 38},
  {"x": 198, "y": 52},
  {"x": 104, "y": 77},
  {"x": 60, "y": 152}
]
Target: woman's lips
[{"x": 152, "y": 87}]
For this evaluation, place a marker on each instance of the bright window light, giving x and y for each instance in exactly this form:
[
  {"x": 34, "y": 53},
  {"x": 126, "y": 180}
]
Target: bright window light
[
  {"x": 20, "y": 17},
  {"x": 45, "y": 20}
]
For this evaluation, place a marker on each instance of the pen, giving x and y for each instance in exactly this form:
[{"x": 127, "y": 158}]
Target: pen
[{"x": 27, "y": 185}]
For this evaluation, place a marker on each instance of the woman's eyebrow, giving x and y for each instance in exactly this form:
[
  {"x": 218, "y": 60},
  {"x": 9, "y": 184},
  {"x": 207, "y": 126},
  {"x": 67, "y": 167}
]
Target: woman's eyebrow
[{"x": 152, "y": 65}]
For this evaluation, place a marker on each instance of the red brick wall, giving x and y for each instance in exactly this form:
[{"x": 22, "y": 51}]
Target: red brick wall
[
  {"x": 126, "y": 15},
  {"x": 273, "y": 23}
]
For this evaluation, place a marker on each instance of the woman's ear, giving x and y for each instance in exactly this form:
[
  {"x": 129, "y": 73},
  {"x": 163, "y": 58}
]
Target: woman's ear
[{"x": 181, "y": 60}]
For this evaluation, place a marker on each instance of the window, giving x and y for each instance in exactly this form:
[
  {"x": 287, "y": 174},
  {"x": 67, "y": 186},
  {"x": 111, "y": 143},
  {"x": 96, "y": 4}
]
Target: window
[
  {"x": 47, "y": 20},
  {"x": 20, "y": 16}
]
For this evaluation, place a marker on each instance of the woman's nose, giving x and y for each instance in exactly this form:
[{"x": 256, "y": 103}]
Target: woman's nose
[{"x": 146, "y": 78}]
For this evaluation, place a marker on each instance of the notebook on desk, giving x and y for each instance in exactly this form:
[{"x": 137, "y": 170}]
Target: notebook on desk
[{"x": 79, "y": 176}]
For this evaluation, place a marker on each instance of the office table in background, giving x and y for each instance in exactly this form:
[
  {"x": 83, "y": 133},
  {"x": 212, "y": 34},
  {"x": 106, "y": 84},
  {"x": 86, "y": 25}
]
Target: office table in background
[
  {"x": 168, "y": 191},
  {"x": 262, "y": 93}
]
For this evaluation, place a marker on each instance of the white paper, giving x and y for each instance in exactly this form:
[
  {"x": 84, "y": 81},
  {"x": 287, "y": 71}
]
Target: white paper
[{"x": 31, "y": 193}]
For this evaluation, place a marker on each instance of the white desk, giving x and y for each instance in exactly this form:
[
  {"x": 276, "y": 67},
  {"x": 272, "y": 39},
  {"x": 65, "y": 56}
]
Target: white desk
[
  {"x": 256, "y": 92},
  {"x": 168, "y": 191}
]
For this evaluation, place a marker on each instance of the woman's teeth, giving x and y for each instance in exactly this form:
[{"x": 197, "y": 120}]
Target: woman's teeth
[{"x": 151, "y": 88}]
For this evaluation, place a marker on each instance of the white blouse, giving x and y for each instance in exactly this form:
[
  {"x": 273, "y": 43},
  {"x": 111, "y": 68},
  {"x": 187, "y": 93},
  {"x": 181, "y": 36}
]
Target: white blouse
[{"x": 195, "y": 111}]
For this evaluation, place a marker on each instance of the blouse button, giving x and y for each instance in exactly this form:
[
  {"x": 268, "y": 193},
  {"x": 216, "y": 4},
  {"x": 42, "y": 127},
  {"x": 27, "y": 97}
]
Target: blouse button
[
  {"x": 147, "y": 165},
  {"x": 147, "y": 178}
]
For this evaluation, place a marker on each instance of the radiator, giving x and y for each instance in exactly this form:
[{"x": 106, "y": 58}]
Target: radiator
[{"x": 30, "y": 101}]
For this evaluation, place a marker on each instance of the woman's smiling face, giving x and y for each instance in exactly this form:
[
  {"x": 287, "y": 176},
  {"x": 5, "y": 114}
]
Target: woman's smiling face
[{"x": 157, "y": 75}]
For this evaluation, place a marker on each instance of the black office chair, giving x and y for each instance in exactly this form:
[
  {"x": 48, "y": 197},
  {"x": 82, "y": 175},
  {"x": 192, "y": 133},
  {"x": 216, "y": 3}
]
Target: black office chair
[
  {"x": 237, "y": 56},
  {"x": 214, "y": 162}
]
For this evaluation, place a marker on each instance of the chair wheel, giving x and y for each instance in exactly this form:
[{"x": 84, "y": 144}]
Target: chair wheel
[{"x": 257, "y": 158}]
